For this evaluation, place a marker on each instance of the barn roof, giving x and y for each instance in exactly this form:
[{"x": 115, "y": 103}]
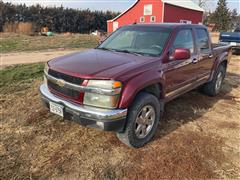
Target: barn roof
[
  {"x": 124, "y": 12},
  {"x": 189, "y": 4}
]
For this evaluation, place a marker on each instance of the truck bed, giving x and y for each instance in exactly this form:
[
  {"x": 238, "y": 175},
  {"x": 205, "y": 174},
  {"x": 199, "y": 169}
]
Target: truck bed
[
  {"x": 230, "y": 37},
  {"x": 218, "y": 45},
  {"x": 220, "y": 48}
]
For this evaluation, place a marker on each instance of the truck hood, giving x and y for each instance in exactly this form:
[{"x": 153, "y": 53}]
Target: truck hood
[{"x": 99, "y": 64}]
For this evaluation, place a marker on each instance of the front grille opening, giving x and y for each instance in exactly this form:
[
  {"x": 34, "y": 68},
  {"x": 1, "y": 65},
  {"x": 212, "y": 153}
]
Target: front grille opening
[
  {"x": 65, "y": 91},
  {"x": 65, "y": 77}
]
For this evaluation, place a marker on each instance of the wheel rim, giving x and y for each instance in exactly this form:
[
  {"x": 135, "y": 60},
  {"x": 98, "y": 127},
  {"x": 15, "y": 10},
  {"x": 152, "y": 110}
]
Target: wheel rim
[
  {"x": 219, "y": 81},
  {"x": 145, "y": 121}
]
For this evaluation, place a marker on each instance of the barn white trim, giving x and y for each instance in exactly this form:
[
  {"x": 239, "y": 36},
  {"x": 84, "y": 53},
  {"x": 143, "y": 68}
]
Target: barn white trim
[{"x": 189, "y": 4}]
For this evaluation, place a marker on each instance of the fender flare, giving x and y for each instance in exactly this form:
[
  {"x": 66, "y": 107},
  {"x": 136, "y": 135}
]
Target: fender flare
[
  {"x": 137, "y": 84},
  {"x": 218, "y": 61}
]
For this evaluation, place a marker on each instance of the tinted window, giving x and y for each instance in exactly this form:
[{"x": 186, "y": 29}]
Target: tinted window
[
  {"x": 184, "y": 39},
  {"x": 202, "y": 40}
]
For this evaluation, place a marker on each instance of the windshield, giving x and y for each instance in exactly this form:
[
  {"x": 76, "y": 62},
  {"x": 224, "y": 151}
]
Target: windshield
[{"x": 148, "y": 41}]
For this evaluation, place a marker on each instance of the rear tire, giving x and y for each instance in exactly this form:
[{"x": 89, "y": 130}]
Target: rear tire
[
  {"x": 142, "y": 121},
  {"x": 214, "y": 87}
]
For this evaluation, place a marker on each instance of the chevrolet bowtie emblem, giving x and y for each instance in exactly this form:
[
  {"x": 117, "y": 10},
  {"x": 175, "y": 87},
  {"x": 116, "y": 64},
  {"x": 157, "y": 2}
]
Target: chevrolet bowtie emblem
[{"x": 60, "y": 82}]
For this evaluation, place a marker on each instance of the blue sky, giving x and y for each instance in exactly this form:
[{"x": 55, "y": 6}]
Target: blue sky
[{"x": 114, "y": 5}]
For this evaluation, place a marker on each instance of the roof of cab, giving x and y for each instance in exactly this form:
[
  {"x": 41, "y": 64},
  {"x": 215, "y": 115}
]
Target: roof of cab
[{"x": 166, "y": 25}]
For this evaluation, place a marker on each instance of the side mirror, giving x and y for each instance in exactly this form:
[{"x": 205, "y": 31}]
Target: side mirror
[{"x": 180, "y": 54}]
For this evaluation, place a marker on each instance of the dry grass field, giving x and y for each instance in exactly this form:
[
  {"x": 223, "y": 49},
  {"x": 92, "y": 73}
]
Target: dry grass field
[
  {"x": 18, "y": 43},
  {"x": 199, "y": 137}
]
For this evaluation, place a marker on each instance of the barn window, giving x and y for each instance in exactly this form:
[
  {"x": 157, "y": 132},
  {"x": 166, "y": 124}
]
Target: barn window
[
  {"x": 153, "y": 19},
  {"x": 142, "y": 19},
  {"x": 185, "y": 21},
  {"x": 147, "y": 9}
]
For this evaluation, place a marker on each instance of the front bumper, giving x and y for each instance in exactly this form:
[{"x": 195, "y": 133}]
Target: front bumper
[{"x": 104, "y": 119}]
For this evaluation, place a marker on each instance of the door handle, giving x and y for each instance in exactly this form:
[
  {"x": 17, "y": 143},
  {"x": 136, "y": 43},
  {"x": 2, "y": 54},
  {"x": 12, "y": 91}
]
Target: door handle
[
  {"x": 210, "y": 55},
  {"x": 195, "y": 60}
]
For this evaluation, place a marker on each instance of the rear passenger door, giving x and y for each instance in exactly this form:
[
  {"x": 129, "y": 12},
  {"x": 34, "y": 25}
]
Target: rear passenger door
[
  {"x": 181, "y": 74},
  {"x": 205, "y": 55}
]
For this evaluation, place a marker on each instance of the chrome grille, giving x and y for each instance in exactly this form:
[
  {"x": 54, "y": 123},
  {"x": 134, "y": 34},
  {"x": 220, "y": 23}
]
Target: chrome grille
[
  {"x": 65, "y": 91},
  {"x": 65, "y": 77}
]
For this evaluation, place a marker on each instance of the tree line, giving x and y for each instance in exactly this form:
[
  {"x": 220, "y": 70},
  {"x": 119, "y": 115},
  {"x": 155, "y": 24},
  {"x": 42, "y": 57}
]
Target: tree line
[
  {"x": 223, "y": 18},
  {"x": 60, "y": 19},
  {"x": 57, "y": 19}
]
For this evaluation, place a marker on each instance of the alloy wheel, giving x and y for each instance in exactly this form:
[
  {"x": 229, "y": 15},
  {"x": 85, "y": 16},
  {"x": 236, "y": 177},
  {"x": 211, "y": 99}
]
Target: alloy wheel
[{"x": 145, "y": 121}]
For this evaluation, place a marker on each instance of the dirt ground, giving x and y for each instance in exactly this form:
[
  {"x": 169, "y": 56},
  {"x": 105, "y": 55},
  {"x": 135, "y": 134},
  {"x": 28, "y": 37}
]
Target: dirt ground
[
  {"x": 199, "y": 137},
  {"x": 31, "y": 57}
]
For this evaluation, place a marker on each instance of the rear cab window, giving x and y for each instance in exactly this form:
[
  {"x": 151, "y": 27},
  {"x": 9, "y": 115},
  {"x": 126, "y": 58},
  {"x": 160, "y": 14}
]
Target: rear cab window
[{"x": 202, "y": 40}]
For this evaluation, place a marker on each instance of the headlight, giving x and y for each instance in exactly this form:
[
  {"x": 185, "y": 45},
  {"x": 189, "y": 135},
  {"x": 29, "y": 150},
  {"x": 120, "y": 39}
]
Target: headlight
[
  {"x": 99, "y": 100},
  {"x": 103, "y": 100},
  {"x": 46, "y": 68},
  {"x": 105, "y": 84}
]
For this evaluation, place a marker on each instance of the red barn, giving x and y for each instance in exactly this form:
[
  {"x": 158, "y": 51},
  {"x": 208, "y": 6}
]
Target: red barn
[{"x": 158, "y": 11}]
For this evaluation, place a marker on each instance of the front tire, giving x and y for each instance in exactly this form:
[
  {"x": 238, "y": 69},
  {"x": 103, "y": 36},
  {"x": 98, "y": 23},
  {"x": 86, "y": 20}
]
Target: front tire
[
  {"x": 142, "y": 121},
  {"x": 214, "y": 87}
]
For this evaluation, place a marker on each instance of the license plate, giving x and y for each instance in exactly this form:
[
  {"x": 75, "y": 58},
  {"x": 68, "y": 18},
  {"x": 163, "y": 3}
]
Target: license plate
[
  {"x": 56, "y": 109},
  {"x": 233, "y": 44}
]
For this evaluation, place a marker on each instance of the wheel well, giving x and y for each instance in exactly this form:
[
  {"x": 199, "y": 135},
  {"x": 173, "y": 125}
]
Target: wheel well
[
  {"x": 154, "y": 89},
  {"x": 224, "y": 63}
]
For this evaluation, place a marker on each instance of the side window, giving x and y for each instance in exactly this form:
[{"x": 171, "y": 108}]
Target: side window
[
  {"x": 202, "y": 40},
  {"x": 184, "y": 39}
]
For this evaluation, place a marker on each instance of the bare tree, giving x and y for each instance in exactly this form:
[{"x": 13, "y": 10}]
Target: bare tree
[{"x": 201, "y": 3}]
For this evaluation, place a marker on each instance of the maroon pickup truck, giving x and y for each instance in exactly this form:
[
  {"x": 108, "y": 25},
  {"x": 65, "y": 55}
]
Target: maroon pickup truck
[{"x": 123, "y": 84}]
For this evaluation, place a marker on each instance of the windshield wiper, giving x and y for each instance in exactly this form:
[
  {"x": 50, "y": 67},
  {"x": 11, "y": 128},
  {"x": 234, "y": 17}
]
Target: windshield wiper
[
  {"x": 137, "y": 53},
  {"x": 129, "y": 52},
  {"x": 106, "y": 49}
]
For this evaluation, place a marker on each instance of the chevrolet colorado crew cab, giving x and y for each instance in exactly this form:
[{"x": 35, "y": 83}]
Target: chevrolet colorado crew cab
[{"x": 123, "y": 84}]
